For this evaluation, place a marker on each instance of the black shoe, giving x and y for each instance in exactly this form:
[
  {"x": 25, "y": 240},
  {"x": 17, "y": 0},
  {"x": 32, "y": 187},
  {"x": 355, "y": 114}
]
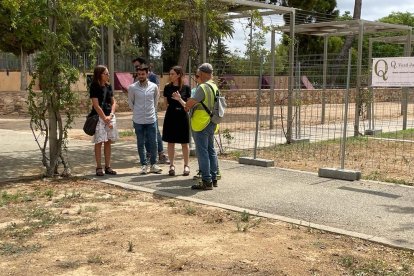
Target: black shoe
[
  {"x": 214, "y": 183},
  {"x": 204, "y": 185}
]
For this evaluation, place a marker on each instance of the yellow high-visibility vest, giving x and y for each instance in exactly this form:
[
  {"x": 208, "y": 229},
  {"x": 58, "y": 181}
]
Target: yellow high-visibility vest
[{"x": 200, "y": 118}]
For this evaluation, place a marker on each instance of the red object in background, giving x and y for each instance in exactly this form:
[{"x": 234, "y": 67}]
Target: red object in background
[{"x": 122, "y": 80}]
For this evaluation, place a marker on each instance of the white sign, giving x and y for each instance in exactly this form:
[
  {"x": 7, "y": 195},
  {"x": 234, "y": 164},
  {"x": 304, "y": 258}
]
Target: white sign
[{"x": 394, "y": 71}]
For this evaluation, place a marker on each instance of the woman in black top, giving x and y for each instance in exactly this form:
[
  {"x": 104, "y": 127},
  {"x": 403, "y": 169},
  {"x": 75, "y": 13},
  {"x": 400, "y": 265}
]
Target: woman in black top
[
  {"x": 176, "y": 125},
  {"x": 103, "y": 103}
]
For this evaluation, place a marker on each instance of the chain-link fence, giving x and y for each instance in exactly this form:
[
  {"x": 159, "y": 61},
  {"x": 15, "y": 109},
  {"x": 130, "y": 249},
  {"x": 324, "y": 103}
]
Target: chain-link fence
[{"x": 307, "y": 134}]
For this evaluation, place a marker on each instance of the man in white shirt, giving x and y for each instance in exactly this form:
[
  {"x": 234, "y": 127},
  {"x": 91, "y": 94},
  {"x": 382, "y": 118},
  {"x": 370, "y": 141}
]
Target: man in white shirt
[{"x": 143, "y": 101}]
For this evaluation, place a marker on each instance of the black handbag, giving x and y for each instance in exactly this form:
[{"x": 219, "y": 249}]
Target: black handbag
[
  {"x": 90, "y": 124},
  {"x": 92, "y": 120}
]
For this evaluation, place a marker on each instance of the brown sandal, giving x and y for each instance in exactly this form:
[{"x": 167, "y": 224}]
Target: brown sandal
[
  {"x": 99, "y": 172},
  {"x": 109, "y": 170},
  {"x": 186, "y": 171},
  {"x": 171, "y": 172}
]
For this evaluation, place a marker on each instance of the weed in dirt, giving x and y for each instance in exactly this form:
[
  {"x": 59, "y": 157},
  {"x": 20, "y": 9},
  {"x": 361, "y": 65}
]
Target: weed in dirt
[
  {"x": 19, "y": 232},
  {"x": 73, "y": 195},
  {"x": 12, "y": 248},
  {"x": 245, "y": 222},
  {"x": 177, "y": 264},
  {"x": 49, "y": 193},
  {"x": 171, "y": 203},
  {"x": 347, "y": 261},
  {"x": 245, "y": 216},
  {"x": 190, "y": 210},
  {"x": 127, "y": 133},
  {"x": 68, "y": 264},
  {"x": 83, "y": 221},
  {"x": 40, "y": 217},
  {"x": 130, "y": 246},
  {"x": 7, "y": 198},
  {"x": 87, "y": 231},
  {"x": 90, "y": 209},
  {"x": 214, "y": 217},
  {"x": 95, "y": 259}
]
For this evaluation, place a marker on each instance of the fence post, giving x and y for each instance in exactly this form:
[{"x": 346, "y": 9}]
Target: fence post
[
  {"x": 341, "y": 173},
  {"x": 258, "y": 101},
  {"x": 346, "y": 99},
  {"x": 255, "y": 161},
  {"x": 272, "y": 81}
]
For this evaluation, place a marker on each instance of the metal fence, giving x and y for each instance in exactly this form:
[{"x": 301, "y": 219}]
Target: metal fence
[
  {"x": 83, "y": 61},
  {"x": 378, "y": 141}
]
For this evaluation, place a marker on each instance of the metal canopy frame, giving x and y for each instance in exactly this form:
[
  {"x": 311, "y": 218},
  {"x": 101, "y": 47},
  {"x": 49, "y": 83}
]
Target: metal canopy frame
[
  {"x": 346, "y": 27},
  {"x": 242, "y": 9}
]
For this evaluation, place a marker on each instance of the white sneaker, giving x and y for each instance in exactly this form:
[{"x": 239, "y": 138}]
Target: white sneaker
[
  {"x": 155, "y": 169},
  {"x": 144, "y": 169}
]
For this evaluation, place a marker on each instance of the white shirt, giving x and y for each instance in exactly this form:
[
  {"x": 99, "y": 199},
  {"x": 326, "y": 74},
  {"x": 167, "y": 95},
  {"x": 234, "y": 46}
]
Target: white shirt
[{"x": 143, "y": 101}]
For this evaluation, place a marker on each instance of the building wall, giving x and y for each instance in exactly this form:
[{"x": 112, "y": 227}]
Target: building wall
[{"x": 14, "y": 103}]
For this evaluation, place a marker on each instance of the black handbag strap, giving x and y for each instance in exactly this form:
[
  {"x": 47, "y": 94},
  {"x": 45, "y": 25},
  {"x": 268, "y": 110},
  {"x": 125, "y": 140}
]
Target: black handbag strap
[{"x": 209, "y": 112}]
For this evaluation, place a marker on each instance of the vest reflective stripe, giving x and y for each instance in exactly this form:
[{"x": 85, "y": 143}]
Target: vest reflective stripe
[{"x": 201, "y": 118}]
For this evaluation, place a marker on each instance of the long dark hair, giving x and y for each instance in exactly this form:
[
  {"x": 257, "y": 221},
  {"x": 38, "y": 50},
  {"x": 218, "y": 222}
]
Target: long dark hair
[
  {"x": 97, "y": 73},
  {"x": 179, "y": 71}
]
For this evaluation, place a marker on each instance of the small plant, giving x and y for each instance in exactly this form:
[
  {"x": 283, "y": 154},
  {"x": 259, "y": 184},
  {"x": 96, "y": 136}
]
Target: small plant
[
  {"x": 245, "y": 222},
  {"x": 244, "y": 217},
  {"x": 130, "y": 246},
  {"x": 49, "y": 193},
  {"x": 347, "y": 261},
  {"x": 68, "y": 264},
  {"x": 11, "y": 249},
  {"x": 227, "y": 135},
  {"x": 190, "y": 210},
  {"x": 7, "y": 198},
  {"x": 40, "y": 217},
  {"x": 95, "y": 259},
  {"x": 127, "y": 133},
  {"x": 91, "y": 209},
  {"x": 171, "y": 203},
  {"x": 86, "y": 231}
]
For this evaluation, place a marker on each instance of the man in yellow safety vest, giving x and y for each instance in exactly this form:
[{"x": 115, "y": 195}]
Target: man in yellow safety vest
[{"x": 203, "y": 128}]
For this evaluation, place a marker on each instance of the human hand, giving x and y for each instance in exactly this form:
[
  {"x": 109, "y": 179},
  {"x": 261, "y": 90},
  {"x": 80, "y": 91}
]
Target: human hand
[
  {"x": 176, "y": 96},
  {"x": 108, "y": 119}
]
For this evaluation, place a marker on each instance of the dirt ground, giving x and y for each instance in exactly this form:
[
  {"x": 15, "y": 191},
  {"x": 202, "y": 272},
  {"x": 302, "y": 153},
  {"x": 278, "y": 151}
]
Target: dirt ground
[{"x": 82, "y": 227}]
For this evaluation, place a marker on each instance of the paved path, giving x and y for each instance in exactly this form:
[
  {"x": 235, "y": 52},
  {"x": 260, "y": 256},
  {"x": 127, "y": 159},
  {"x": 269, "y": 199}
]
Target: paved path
[{"x": 375, "y": 211}]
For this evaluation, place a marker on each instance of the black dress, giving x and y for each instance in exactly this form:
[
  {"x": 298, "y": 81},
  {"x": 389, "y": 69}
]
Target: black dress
[{"x": 176, "y": 128}]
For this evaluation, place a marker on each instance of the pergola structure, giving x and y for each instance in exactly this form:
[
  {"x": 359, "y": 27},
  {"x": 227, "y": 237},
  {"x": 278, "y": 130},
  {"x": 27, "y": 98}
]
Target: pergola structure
[
  {"x": 239, "y": 9},
  {"x": 343, "y": 28}
]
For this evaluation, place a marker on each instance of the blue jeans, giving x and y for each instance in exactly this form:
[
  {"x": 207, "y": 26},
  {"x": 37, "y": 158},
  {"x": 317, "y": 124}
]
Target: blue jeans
[
  {"x": 206, "y": 154},
  {"x": 146, "y": 134},
  {"x": 159, "y": 140}
]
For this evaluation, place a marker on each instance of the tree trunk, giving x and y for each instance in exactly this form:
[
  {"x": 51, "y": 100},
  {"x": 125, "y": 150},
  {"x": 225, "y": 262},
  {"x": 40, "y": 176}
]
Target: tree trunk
[
  {"x": 186, "y": 44},
  {"x": 54, "y": 146},
  {"x": 23, "y": 70},
  {"x": 341, "y": 58}
]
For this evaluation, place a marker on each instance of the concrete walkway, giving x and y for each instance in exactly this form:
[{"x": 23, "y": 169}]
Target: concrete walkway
[{"x": 374, "y": 211}]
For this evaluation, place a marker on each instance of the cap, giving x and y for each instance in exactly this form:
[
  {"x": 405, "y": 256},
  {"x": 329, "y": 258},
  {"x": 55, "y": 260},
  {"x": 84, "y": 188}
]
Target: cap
[{"x": 206, "y": 68}]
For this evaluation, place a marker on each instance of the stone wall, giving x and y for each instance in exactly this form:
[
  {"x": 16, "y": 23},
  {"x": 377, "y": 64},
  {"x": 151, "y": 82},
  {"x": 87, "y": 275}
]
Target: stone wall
[{"x": 14, "y": 103}]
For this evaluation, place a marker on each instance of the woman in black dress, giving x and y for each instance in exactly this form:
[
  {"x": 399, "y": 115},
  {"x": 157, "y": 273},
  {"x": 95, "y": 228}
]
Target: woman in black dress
[{"x": 176, "y": 125}]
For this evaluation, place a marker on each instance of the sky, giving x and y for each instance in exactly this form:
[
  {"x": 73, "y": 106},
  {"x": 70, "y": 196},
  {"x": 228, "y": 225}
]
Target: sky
[{"x": 371, "y": 10}]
